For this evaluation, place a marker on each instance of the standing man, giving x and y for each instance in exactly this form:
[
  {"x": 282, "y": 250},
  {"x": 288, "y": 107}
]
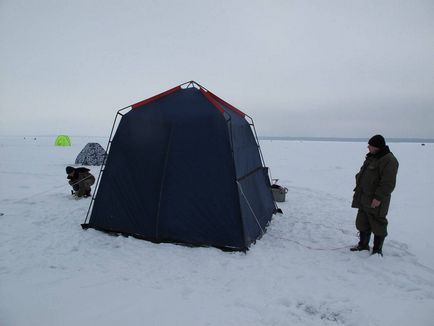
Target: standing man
[{"x": 374, "y": 185}]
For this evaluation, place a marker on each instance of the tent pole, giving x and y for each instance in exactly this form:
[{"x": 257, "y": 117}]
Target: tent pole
[
  {"x": 163, "y": 178},
  {"x": 252, "y": 124},
  {"x": 102, "y": 165},
  {"x": 229, "y": 123}
]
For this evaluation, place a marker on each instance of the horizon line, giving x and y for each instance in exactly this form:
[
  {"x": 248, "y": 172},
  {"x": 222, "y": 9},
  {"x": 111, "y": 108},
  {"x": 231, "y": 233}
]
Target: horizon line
[{"x": 264, "y": 137}]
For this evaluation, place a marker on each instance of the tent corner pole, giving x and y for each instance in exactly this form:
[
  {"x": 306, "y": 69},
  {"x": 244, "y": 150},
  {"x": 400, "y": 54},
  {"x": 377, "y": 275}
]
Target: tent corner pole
[{"x": 103, "y": 164}]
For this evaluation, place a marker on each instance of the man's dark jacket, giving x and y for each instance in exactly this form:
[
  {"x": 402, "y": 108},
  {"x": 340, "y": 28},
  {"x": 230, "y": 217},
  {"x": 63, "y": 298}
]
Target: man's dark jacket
[{"x": 376, "y": 179}]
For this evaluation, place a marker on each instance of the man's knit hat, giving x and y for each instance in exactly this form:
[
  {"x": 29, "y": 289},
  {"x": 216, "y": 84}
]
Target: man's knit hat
[
  {"x": 377, "y": 141},
  {"x": 69, "y": 169}
]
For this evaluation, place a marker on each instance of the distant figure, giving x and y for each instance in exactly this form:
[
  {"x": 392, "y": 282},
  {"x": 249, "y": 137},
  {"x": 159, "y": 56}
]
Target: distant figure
[
  {"x": 374, "y": 185},
  {"x": 81, "y": 180}
]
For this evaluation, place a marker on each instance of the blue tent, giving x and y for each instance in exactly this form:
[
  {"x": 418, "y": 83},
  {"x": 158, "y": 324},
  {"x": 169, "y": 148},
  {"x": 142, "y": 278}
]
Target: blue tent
[{"x": 185, "y": 167}]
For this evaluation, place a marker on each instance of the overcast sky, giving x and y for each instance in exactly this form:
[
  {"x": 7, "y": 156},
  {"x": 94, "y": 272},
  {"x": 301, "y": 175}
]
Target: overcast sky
[{"x": 299, "y": 68}]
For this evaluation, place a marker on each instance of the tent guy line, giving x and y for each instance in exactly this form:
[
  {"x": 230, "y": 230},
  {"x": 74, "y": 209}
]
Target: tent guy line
[
  {"x": 37, "y": 194},
  {"x": 250, "y": 207},
  {"x": 44, "y": 192},
  {"x": 308, "y": 247}
]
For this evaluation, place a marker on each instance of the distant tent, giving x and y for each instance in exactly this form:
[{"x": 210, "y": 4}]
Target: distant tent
[
  {"x": 91, "y": 154},
  {"x": 185, "y": 167},
  {"x": 62, "y": 140}
]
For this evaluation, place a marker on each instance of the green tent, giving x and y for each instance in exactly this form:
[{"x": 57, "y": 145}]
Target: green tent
[{"x": 62, "y": 140}]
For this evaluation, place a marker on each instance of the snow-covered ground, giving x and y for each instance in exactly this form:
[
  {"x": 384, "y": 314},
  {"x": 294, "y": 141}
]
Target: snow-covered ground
[{"x": 300, "y": 273}]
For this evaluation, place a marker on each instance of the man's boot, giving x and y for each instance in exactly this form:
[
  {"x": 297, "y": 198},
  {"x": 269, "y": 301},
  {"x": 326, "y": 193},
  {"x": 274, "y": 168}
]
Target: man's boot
[
  {"x": 363, "y": 244},
  {"x": 378, "y": 245}
]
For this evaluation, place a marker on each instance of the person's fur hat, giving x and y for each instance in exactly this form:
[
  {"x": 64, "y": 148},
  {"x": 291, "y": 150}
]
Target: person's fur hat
[
  {"x": 377, "y": 141},
  {"x": 69, "y": 169}
]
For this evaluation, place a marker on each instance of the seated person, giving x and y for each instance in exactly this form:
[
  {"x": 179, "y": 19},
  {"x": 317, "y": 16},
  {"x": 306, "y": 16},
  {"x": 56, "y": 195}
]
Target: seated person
[{"x": 81, "y": 180}]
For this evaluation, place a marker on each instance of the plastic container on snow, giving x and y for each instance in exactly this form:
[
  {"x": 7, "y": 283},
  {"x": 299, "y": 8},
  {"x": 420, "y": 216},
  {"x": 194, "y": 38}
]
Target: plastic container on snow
[{"x": 279, "y": 192}]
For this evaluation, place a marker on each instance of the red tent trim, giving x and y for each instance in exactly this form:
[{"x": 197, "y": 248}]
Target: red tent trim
[
  {"x": 156, "y": 97},
  {"x": 212, "y": 100},
  {"x": 233, "y": 108}
]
